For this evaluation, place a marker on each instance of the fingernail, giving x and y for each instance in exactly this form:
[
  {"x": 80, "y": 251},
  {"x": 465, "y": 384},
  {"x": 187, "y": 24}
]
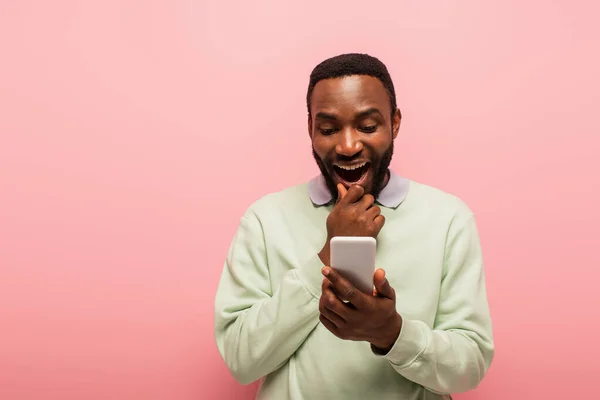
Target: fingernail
[{"x": 325, "y": 271}]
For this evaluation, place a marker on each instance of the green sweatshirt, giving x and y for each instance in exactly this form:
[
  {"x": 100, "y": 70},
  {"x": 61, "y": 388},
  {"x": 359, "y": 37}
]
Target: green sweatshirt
[{"x": 266, "y": 309}]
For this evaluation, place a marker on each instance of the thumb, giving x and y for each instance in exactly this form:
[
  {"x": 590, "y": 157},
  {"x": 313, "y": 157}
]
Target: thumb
[
  {"x": 341, "y": 192},
  {"x": 382, "y": 285}
]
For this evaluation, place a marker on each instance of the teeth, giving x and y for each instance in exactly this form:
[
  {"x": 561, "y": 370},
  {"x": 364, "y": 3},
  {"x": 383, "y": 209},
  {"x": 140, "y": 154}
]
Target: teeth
[{"x": 350, "y": 167}]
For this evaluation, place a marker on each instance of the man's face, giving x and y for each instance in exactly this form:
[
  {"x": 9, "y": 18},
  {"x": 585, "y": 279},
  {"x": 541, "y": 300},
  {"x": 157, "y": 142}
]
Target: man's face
[{"x": 352, "y": 132}]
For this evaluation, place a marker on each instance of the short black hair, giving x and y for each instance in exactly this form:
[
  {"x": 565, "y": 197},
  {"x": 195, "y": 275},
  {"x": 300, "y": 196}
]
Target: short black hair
[{"x": 352, "y": 64}]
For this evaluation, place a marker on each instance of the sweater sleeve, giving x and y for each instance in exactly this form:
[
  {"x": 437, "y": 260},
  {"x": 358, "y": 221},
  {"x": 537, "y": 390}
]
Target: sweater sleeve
[
  {"x": 256, "y": 329},
  {"x": 454, "y": 356}
]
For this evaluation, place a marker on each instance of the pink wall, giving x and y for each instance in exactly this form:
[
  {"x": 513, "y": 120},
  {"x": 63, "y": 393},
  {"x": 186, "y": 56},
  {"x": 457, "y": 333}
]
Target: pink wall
[{"x": 134, "y": 134}]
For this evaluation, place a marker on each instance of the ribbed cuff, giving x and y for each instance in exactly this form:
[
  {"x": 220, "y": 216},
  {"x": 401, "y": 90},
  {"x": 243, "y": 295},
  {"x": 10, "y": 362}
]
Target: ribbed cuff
[
  {"x": 310, "y": 275},
  {"x": 411, "y": 342}
]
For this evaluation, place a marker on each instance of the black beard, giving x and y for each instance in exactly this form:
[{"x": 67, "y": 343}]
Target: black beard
[{"x": 378, "y": 178}]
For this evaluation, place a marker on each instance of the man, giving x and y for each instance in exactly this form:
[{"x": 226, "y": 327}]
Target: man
[{"x": 285, "y": 317}]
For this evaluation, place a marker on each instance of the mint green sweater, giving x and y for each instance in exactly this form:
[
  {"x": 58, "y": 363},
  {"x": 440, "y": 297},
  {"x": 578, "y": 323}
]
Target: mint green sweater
[{"x": 266, "y": 309}]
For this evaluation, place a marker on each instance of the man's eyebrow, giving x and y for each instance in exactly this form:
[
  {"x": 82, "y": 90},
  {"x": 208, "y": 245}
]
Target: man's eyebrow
[
  {"x": 368, "y": 112},
  {"x": 324, "y": 115},
  {"x": 362, "y": 114}
]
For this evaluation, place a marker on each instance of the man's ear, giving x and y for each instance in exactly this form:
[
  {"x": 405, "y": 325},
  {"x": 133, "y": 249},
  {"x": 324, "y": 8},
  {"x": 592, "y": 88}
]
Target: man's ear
[
  {"x": 396, "y": 123},
  {"x": 309, "y": 126}
]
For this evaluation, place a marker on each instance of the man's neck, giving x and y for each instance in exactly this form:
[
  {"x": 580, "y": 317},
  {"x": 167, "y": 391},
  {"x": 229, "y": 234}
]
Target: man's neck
[{"x": 386, "y": 179}]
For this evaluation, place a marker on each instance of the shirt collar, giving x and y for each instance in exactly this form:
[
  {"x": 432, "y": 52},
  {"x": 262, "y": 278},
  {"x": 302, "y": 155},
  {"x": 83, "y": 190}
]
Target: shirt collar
[{"x": 391, "y": 196}]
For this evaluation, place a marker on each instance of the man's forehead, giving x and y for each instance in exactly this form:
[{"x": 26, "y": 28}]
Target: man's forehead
[{"x": 351, "y": 91}]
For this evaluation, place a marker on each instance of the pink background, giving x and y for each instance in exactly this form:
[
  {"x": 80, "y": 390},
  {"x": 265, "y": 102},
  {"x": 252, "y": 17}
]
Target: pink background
[{"x": 133, "y": 134}]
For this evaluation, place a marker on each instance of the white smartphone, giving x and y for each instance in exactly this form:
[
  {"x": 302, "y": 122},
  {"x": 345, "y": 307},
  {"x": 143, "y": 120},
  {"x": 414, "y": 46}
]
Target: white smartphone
[{"x": 354, "y": 258}]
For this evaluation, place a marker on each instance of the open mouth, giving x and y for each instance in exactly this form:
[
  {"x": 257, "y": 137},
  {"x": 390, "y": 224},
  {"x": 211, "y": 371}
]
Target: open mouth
[{"x": 352, "y": 174}]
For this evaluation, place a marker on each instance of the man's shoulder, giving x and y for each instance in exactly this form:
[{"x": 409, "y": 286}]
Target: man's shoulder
[
  {"x": 433, "y": 198},
  {"x": 291, "y": 197}
]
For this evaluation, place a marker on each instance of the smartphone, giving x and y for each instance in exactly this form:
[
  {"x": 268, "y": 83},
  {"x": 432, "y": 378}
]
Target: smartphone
[{"x": 354, "y": 258}]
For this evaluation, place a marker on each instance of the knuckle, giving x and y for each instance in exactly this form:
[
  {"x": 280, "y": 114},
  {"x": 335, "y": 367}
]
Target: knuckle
[
  {"x": 329, "y": 300},
  {"x": 321, "y": 303},
  {"x": 349, "y": 292}
]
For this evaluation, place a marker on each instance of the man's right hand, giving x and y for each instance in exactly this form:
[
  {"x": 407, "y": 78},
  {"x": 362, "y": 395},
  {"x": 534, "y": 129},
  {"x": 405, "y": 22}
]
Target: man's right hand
[{"x": 353, "y": 215}]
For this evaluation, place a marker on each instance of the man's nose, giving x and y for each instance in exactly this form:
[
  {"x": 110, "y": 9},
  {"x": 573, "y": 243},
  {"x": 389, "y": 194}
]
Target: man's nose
[{"x": 350, "y": 144}]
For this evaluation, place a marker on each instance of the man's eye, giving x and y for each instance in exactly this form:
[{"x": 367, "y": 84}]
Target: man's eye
[
  {"x": 369, "y": 129},
  {"x": 327, "y": 131}
]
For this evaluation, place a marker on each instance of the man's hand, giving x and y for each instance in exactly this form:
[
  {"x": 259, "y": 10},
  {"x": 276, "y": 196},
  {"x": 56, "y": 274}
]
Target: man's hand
[
  {"x": 353, "y": 215},
  {"x": 367, "y": 317}
]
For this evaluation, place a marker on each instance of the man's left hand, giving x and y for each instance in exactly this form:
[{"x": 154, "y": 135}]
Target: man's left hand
[{"x": 365, "y": 317}]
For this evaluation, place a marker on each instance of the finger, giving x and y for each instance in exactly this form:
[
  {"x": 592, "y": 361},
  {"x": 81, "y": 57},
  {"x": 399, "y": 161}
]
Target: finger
[
  {"x": 345, "y": 290},
  {"x": 379, "y": 221},
  {"x": 329, "y": 325},
  {"x": 382, "y": 285},
  {"x": 366, "y": 201},
  {"x": 333, "y": 317},
  {"x": 331, "y": 305},
  {"x": 353, "y": 194},
  {"x": 373, "y": 212},
  {"x": 341, "y": 192},
  {"x": 325, "y": 285}
]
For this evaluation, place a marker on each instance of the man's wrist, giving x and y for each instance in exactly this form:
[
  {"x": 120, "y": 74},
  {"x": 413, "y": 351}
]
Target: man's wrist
[{"x": 386, "y": 344}]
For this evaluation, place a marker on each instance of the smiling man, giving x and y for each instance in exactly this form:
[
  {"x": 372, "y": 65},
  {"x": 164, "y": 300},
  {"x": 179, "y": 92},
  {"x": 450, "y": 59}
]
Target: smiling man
[{"x": 284, "y": 317}]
